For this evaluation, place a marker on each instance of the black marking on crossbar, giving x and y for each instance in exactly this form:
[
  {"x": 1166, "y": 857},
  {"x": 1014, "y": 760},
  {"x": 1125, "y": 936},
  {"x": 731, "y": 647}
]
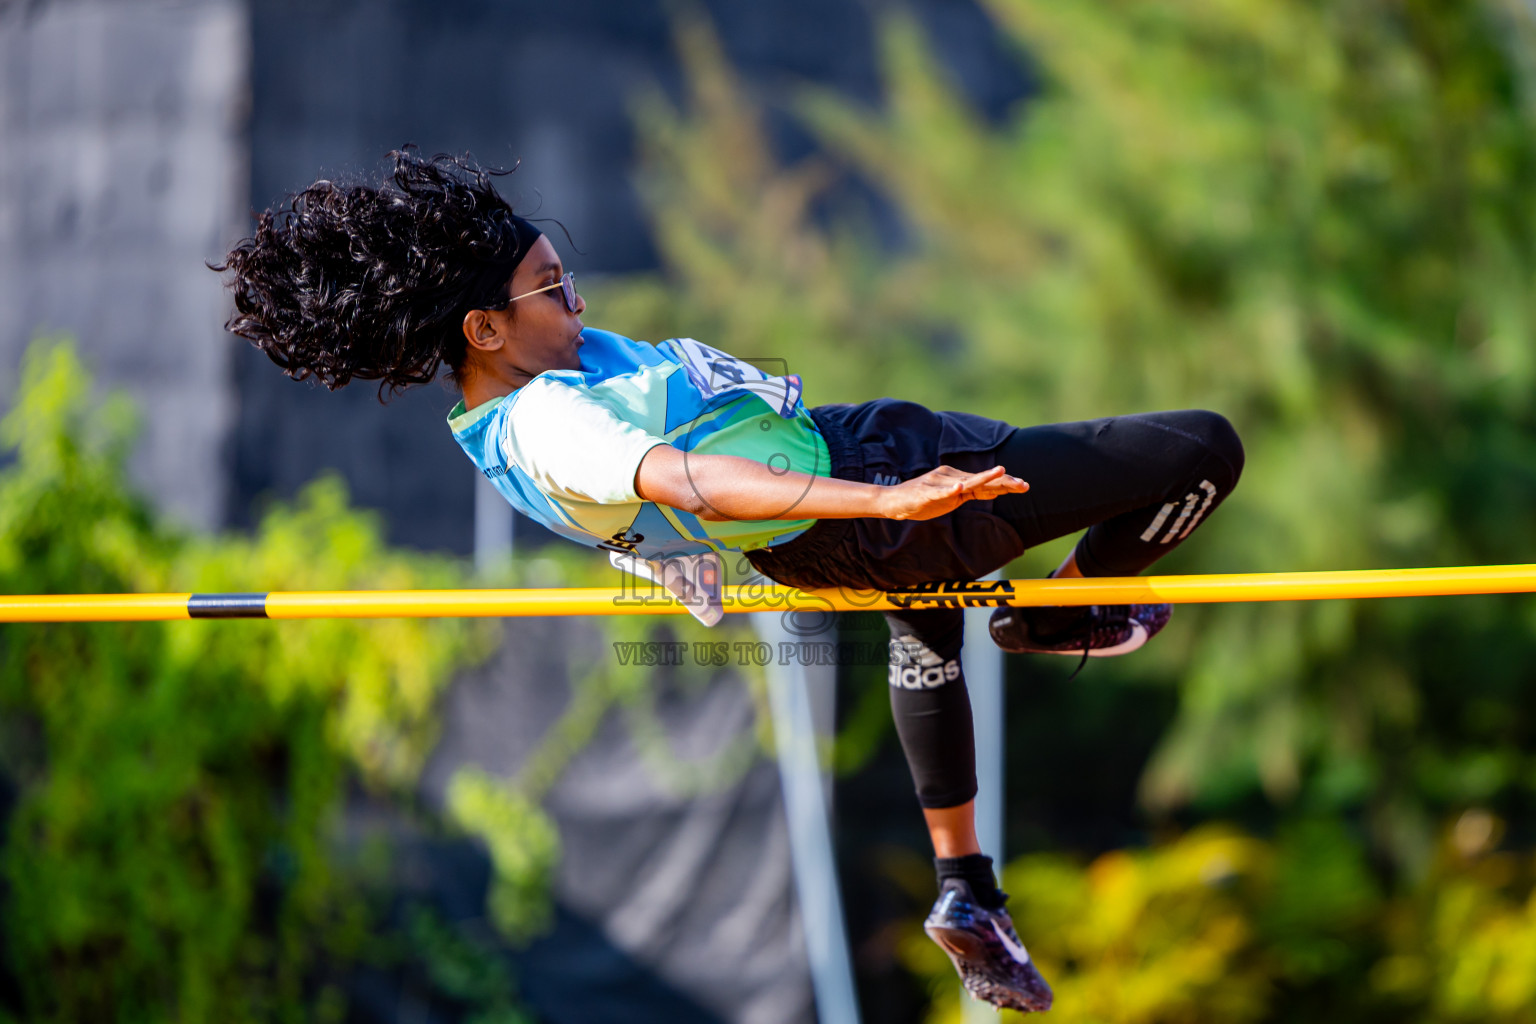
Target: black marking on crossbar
[
  {"x": 962, "y": 594},
  {"x": 227, "y": 606}
]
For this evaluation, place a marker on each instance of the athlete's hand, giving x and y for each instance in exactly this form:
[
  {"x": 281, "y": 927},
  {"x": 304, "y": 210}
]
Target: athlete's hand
[{"x": 944, "y": 490}]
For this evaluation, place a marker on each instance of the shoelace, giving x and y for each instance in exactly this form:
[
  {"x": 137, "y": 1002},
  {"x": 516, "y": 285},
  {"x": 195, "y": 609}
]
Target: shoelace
[
  {"x": 1094, "y": 614},
  {"x": 1001, "y": 900}
]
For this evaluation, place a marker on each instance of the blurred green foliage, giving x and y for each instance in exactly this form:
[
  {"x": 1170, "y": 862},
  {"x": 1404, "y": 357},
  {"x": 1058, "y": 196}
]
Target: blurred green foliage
[
  {"x": 1317, "y": 218},
  {"x": 469, "y": 970},
  {"x": 1219, "y": 926},
  {"x": 170, "y": 850},
  {"x": 524, "y": 847}
]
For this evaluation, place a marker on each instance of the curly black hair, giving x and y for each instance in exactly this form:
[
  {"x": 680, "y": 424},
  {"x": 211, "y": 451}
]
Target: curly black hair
[{"x": 347, "y": 281}]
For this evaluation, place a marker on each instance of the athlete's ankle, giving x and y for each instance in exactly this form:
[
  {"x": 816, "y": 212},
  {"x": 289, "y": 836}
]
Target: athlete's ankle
[
  {"x": 974, "y": 869},
  {"x": 1068, "y": 569},
  {"x": 1049, "y": 620}
]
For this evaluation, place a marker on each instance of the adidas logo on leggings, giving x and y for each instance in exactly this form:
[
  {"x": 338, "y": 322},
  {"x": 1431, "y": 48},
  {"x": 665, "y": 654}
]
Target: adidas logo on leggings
[
  {"x": 914, "y": 666},
  {"x": 1191, "y": 501}
]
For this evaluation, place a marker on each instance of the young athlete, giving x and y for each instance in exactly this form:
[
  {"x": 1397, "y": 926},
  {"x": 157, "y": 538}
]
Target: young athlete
[{"x": 679, "y": 451}]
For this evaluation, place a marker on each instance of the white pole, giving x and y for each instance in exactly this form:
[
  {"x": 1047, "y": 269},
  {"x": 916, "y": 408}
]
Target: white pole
[
  {"x": 493, "y": 526},
  {"x": 983, "y": 662},
  {"x": 821, "y": 692},
  {"x": 810, "y": 833}
]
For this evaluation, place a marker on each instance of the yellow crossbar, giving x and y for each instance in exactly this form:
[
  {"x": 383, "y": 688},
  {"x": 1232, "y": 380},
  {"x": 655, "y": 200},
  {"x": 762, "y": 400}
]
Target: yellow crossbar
[{"x": 366, "y": 604}]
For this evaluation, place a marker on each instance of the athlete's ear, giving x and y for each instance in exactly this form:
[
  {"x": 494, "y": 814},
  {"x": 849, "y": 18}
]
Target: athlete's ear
[{"x": 481, "y": 331}]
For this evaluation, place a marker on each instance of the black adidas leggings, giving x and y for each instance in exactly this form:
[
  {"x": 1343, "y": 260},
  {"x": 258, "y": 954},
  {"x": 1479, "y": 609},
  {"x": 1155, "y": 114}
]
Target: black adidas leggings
[{"x": 1140, "y": 485}]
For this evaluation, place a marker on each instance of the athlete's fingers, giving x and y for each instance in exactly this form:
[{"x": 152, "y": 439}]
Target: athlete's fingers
[
  {"x": 995, "y": 480},
  {"x": 1002, "y": 487},
  {"x": 949, "y": 488},
  {"x": 988, "y": 474},
  {"x": 997, "y": 476}
]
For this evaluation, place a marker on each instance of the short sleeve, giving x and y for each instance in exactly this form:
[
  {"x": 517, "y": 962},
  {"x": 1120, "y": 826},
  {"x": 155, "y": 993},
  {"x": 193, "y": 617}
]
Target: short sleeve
[{"x": 573, "y": 445}]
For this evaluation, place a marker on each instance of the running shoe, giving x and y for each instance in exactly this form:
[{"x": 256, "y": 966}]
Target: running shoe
[
  {"x": 985, "y": 949},
  {"x": 1100, "y": 631}
]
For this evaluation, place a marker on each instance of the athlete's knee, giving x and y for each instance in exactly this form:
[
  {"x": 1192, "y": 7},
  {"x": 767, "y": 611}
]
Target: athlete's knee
[
  {"x": 1210, "y": 443},
  {"x": 1221, "y": 440}
]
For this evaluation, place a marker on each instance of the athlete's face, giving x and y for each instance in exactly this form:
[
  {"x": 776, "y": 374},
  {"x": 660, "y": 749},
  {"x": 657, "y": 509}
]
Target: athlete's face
[{"x": 533, "y": 334}]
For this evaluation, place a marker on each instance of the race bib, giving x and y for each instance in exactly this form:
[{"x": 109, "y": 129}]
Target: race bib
[
  {"x": 695, "y": 580},
  {"x": 714, "y": 372}
]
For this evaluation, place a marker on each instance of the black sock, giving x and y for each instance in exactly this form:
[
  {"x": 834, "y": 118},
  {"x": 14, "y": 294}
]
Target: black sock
[{"x": 975, "y": 869}]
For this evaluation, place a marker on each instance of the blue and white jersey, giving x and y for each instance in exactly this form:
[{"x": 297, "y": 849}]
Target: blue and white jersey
[{"x": 565, "y": 447}]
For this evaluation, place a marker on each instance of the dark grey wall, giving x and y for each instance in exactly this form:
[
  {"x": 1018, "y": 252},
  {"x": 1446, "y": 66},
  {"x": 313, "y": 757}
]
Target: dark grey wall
[
  {"x": 676, "y": 903},
  {"x": 122, "y": 170},
  {"x": 337, "y": 83}
]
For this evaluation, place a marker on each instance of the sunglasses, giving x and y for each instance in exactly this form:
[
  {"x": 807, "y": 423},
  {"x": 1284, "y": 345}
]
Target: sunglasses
[{"x": 567, "y": 286}]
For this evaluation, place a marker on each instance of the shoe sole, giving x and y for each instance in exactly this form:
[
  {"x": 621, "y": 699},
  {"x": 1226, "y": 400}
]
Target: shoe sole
[
  {"x": 956, "y": 942},
  {"x": 965, "y": 950},
  {"x": 1139, "y": 637}
]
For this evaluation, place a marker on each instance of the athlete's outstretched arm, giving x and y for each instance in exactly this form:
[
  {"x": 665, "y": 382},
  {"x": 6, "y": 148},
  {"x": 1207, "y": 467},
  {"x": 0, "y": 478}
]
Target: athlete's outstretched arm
[{"x": 722, "y": 487}]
